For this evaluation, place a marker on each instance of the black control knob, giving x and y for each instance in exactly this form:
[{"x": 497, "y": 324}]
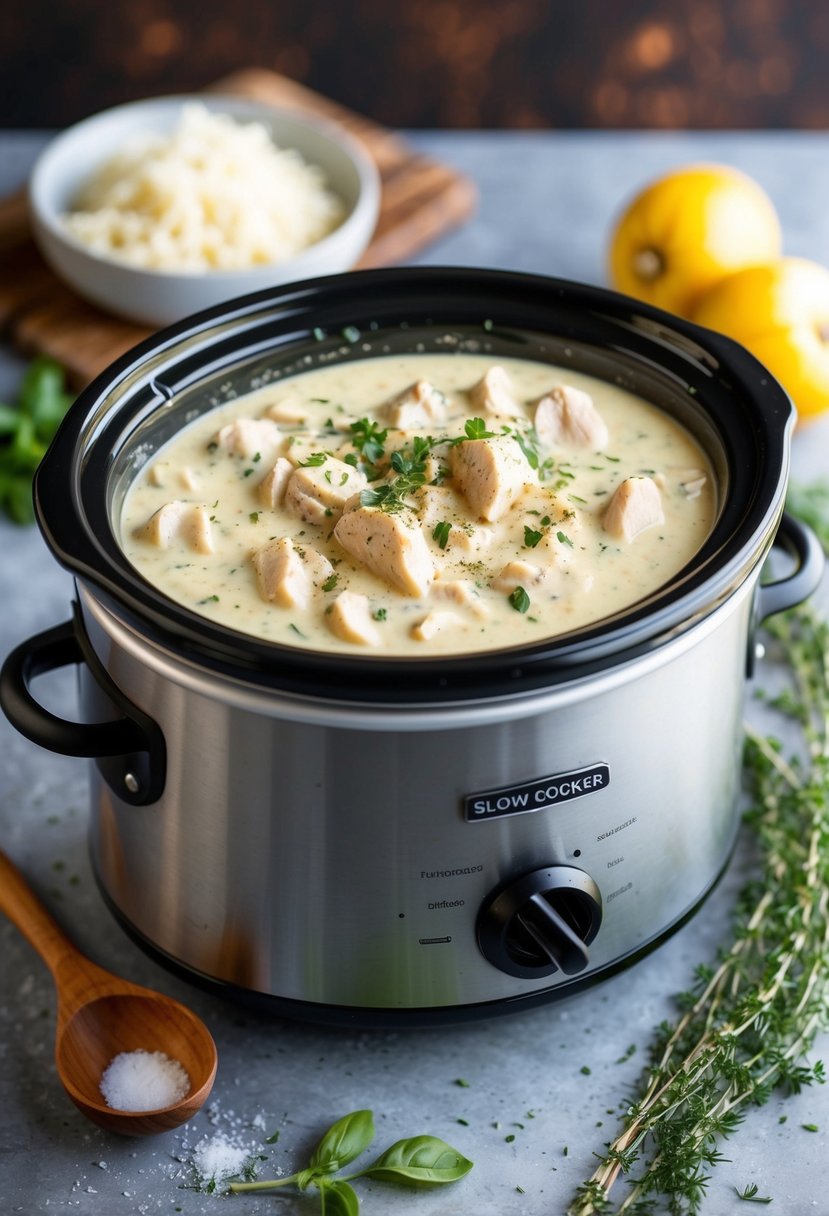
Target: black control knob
[{"x": 541, "y": 922}]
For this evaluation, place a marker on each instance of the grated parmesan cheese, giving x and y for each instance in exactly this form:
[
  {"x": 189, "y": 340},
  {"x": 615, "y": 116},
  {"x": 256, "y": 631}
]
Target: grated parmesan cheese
[{"x": 214, "y": 194}]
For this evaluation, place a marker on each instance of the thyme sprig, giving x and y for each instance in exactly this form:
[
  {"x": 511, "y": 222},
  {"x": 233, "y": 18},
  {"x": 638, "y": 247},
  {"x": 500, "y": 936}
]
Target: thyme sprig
[{"x": 750, "y": 1019}]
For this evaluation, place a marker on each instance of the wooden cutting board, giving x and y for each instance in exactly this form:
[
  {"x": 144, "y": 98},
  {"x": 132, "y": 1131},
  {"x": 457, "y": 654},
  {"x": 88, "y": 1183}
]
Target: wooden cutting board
[{"x": 421, "y": 199}]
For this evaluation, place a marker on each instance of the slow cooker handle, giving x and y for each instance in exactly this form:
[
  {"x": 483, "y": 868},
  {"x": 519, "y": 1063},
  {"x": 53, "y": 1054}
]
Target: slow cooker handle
[
  {"x": 130, "y": 749},
  {"x": 799, "y": 541}
]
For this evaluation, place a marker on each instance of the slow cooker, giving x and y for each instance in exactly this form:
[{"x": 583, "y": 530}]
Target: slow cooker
[{"x": 403, "y": 840}]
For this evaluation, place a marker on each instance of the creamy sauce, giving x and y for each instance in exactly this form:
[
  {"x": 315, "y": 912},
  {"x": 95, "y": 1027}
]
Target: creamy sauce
[{"x": 477, "y": 544}]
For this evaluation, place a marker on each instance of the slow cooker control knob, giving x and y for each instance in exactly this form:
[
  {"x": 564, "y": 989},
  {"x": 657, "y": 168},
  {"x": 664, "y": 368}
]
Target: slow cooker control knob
[{"x": 541, "y": 923}]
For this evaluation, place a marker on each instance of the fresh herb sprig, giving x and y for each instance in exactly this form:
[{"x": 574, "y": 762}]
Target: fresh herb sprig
[
  {"x": 369, "y": 439},
  {"x": 751, "y": 1018},
  {"x": 26, "y": 430},
  {"x": 417, "y": 1161},
  {"x": 409, "y": 465}
]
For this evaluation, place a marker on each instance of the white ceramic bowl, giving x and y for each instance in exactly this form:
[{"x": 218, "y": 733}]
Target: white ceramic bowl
[{"x": 155, "y": 297}]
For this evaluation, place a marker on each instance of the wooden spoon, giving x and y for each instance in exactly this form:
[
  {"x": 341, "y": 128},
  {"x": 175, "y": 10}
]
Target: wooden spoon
[{"x": 100, "y": 1015}]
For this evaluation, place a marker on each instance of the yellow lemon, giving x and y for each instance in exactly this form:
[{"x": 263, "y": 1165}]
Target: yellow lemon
[
  {"x": 780, "y": 312},
  {"x": 689, "y": 229}
]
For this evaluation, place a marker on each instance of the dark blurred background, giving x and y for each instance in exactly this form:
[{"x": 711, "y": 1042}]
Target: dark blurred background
[{"x": 435, "y": 63}]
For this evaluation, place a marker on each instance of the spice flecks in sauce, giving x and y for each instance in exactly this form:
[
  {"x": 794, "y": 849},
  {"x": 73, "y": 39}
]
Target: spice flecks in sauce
[{"x": 408, "y": 505}]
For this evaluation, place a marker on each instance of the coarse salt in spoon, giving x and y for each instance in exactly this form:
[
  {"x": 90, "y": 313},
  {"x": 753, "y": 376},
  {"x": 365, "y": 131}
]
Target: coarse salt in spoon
[{"x": 101, "y": 1016}]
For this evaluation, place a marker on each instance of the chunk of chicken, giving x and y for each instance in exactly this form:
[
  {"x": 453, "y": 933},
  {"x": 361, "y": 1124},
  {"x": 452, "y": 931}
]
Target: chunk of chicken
[
  {"x": 299, "y": 448},
  {"x": 567, "y": 417},
  {"x": 161, "y": 474},
  {"x": 461, "y": 593},
  {"x": 635, "y": 506},
  {"x": 390, "y": 545},
  {"x": 518, "y": 574},
  {"x": 271, "y": 489},
  {"x": 493, "y": 395},
  {"x": 248, "y": 438},
  {"x": 286, "y": 575},
  {"x": 442, "y": 504},
  {"x": 418, "y": 406},
  {"x": 183, "y": 522},
  {"x": 350, "y": 619},
  {"x": 433, "y": 624},
  {"x": 317, "y": 493},
  {"x": 290, "y": 411},
  {"x": 491, "y": 474}
]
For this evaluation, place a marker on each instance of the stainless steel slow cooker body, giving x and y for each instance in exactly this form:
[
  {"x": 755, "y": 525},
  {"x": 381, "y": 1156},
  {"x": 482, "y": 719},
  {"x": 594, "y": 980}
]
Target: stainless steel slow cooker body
[{"x": 402, "y": 840}]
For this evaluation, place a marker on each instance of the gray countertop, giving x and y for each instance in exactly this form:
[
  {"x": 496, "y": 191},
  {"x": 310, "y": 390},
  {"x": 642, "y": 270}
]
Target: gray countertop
[{"x": 546, "y": 205}]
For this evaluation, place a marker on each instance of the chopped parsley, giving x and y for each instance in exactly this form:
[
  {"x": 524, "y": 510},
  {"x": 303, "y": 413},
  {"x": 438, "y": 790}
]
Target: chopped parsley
[
  {"x": 331, "y": 582},
  {"x": 368, "y": 438},
  {"x": 531, "y": 537},
  {"x": 519, "y": 599},
  {"x": 313, "y": 462},
  {"x": 440, "y": 533}
]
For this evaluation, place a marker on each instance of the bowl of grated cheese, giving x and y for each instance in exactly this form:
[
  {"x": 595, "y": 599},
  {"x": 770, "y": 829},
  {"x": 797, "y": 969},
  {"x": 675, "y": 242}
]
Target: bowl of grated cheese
[{"x": 157, "y": 209}]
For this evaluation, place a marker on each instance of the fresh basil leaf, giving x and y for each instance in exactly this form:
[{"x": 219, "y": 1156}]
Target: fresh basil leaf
[
  {"x": 419, "y": 1161},
  {"x": 343, "y": 1141},
  {"x": 338, "y": 1198},
  {"x": 531, "y": 537},
  {"x": 519, "y": 599}
]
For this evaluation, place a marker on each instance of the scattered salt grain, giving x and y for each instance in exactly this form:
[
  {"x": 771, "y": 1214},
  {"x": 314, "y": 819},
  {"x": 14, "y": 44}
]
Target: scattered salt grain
[
  {"x": 217, "y": 1160},
  {"x": 143, "y": 1080}
]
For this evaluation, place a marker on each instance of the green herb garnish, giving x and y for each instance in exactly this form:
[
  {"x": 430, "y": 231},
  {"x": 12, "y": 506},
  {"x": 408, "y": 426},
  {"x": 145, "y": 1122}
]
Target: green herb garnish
[
  {"x": 368, "y": 438},
  {"x": 475, "y": 428},
  {"x": 412, "y": 1162},
  {"x": 440, "y": 533},
  {"x": 751, "y": 1196},
  {"x": 331, "y": 582},
  {"x": 26, "y": 430},
  {"x": 531, "y": 537},
  {"x": 313, "y": 462},
  {"x": 519, "y": 599}
]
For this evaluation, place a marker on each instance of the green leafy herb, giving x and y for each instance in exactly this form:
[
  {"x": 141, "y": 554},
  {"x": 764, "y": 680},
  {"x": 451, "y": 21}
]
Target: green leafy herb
[
  {"x": 418, "y": 1161},
  {"x": 254, "y": 517},
  {"x": 751, "y": 1196},
  {"x": 531, "y": 537},
  {"x": 810, "y": 1127},
  {"x": 421, "y": 1159},
  {"x": 380, "y": 614},
  {"x": 26, "y": 430},
  {"x": 811, "y": 504},
  {"x": 368, "y": 438},
  {"x": 475, "y": 428},
  {"x": 331, "y": 582},
  {"x": 464, "y": 1084},
  {"x": 337, "y": 1198},
  {"x": 409, "y": 463},
  {"x": 314, "y": 461},
  {"x": 440, "y": 533},
  {"x": 519, "y": 599},
  {"x": 343, "y": 1141},
  {"x": 564, "y": 539},
  {"x": 750, "y": 1018}
]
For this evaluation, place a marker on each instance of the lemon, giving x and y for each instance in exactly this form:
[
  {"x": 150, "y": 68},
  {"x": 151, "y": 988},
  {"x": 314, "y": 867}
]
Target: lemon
[
  {"x": 780, "y": 312},
  {"x": 689, "y": 229}
]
